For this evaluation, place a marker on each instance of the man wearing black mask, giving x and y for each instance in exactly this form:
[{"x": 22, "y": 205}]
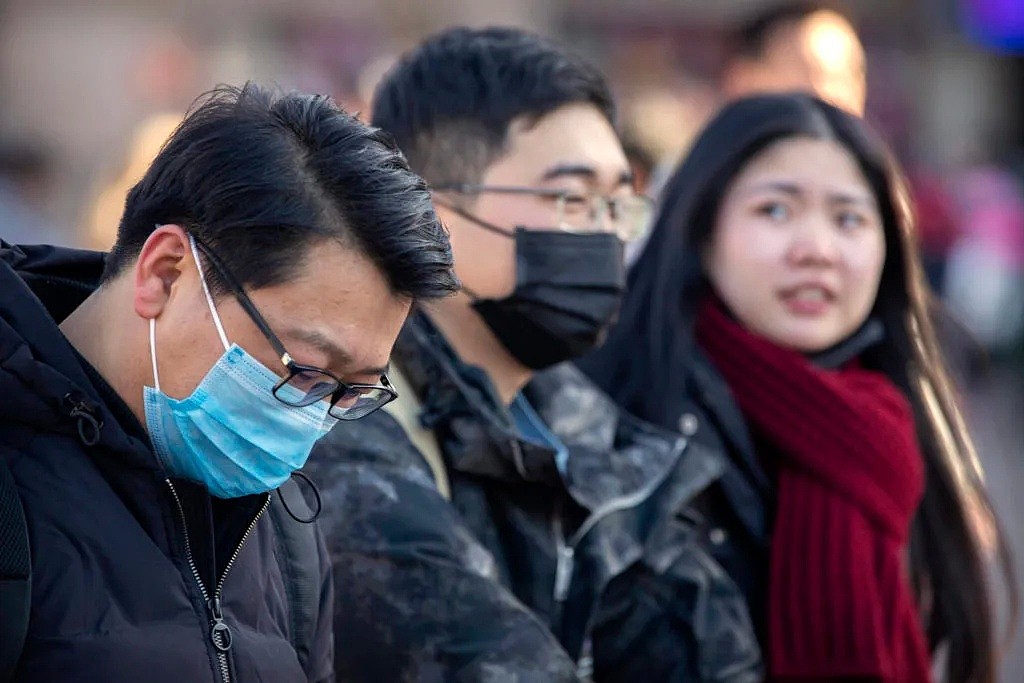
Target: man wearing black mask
[{"x": 562, "y": 513}]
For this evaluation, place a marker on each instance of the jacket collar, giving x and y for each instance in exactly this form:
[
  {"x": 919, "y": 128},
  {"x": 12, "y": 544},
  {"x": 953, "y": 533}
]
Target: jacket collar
[
  {"x": 612, "y": 457},
  {"x": 39, "y": 287},
  {"x": 715, "y": 398},
  {"x": 461, "y": 404}
]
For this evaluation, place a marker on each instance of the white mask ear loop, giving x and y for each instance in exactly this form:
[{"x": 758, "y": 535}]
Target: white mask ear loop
[
  {"x": 209, "y": 297},
  {"x": 152, "y": 351}
]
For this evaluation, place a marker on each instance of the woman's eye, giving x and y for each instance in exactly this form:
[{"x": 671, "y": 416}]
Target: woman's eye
[
  {"x": 850, "y": 220},
  {"x": 775, "y": 211}
]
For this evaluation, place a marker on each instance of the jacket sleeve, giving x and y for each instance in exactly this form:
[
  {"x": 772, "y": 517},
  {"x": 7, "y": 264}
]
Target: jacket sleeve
[{"x": 415, "y": 594}]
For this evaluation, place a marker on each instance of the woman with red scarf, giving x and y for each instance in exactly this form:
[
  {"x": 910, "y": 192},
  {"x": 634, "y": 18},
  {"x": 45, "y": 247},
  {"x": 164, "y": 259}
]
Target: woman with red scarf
[{"x": 779, "y": 312}]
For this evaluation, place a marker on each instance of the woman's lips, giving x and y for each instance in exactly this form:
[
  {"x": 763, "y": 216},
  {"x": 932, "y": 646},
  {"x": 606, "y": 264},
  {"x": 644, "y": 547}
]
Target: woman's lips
[{"x": 807, "y": 301}]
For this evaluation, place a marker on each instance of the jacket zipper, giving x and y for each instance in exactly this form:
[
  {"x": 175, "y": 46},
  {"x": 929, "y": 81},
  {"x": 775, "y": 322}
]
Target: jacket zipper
[
  {"x": 566, "y": 549},
  {"x": 220, "y": 632},
  {"x": 565, "y": 561},
  {"x": 565, "y": 564}
]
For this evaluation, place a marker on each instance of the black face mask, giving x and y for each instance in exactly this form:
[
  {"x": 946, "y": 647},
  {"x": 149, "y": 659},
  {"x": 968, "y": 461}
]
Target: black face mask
[{"x": 568, "y": 290}]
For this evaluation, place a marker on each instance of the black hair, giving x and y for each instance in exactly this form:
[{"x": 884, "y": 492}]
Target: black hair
[
  {"x": 752, "y": 36},
  {"x": 645, "y": 363},
  {"x": 450, "y": 101},
  {"x": 261, "y": 178}
]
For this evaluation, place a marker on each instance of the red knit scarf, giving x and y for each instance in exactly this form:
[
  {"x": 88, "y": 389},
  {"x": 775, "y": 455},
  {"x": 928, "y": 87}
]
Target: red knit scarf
[{"x": 850, "y": 476}]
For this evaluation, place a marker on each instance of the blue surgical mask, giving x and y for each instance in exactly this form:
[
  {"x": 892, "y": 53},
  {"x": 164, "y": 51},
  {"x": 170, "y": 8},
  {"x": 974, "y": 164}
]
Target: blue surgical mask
[{"x": 231, "y": 434}]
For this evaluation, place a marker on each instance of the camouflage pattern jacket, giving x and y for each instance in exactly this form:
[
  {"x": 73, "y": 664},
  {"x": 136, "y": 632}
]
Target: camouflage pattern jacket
[{"x": 533, "y": 571}]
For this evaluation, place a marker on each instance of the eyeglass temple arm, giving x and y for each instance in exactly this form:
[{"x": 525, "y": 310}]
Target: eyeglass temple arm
[
  {"x": 469, "y": 188},
  {"x": 245, "y": 302}
]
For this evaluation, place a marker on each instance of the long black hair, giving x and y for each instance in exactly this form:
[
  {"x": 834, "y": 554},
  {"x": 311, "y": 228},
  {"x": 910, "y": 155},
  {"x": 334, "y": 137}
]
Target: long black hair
[{"x": 645, "y": 362}]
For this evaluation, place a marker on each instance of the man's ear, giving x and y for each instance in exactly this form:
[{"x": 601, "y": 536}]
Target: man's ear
[
  {"x": 163, "y": 259},
  {"x": 739, "y": 78}
]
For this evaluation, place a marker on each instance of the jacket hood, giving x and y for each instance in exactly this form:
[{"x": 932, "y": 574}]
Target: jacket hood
[{"x": 42, "y": 380}]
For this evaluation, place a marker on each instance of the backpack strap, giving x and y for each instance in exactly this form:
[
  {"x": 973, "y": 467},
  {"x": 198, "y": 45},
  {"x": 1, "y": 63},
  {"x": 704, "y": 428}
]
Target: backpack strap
[
  {"x": 406, "y": 411},
  {"x": 298, "y": 558},
  {"x": 15, "y": 574}
]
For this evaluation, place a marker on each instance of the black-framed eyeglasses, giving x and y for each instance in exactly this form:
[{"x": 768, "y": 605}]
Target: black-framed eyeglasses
[
  {"x": 627, "y": 216},
  {"x": 305, "y": 385}
]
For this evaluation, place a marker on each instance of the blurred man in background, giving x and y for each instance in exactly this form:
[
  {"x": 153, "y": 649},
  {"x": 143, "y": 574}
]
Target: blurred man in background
[{"x": 803, "y": 46}]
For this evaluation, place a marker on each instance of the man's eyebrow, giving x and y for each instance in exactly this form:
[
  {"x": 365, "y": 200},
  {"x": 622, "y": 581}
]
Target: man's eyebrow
[
  {"x": 588, "y": 173},
  {"x": 578, "y": 170},
  {"x": 338, "y": 356}
]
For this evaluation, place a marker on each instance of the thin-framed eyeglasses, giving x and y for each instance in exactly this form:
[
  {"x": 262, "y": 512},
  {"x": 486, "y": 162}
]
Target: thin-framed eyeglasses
[
  {"x": 304, "y": 385},
  {"x": 627, "y": 216}
]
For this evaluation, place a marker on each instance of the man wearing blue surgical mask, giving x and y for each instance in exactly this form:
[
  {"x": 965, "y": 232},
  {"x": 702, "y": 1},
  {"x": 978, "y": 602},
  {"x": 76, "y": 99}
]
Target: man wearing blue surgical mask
[{"x": 154, "y": 401}]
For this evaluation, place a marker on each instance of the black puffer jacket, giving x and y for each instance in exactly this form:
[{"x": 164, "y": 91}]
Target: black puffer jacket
[
  {"x": 116, "y": 592},
  {"x": 608, "y": 556}
]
